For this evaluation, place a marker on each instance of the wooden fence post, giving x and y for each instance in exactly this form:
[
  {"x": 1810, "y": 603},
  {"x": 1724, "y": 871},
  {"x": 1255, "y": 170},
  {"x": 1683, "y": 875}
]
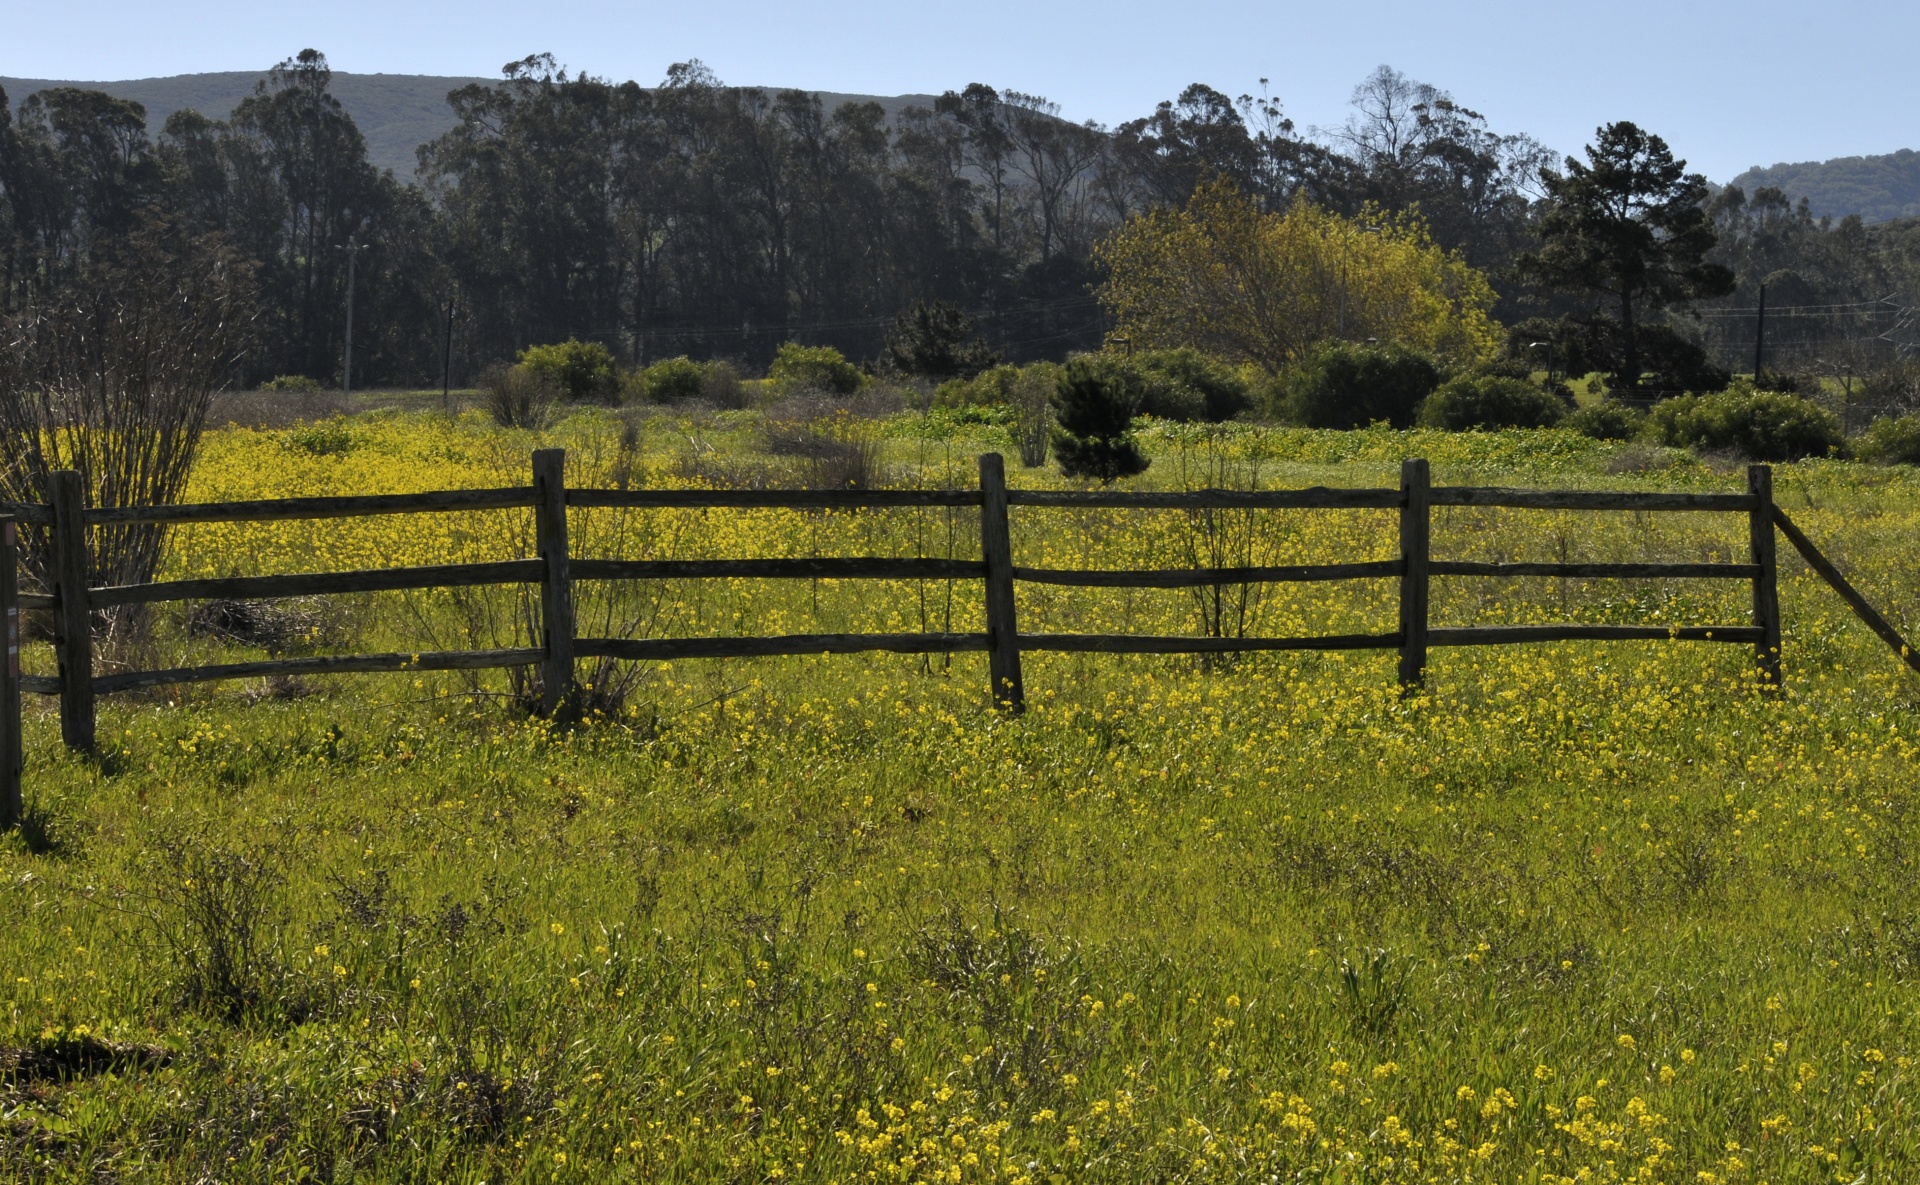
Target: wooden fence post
[
  {"x": 73, "y": 638},
  {"x": 11, "y": 806},
  {"x": 556, "y": 592},
  {"x": 1766, "y": 581},
  {"x": 996, "y": 549},
  {"x": 1416, "y": 537}
]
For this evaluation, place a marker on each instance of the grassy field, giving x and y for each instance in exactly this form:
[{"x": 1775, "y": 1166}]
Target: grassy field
[{"x": 1579, "y": 912}]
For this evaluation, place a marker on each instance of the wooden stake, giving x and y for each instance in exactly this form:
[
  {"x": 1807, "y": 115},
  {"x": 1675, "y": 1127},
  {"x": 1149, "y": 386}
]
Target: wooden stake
[
  {"x": 556, "y": 593},
  {"x": 1766, "y": 582},
  {"x": 11, "y": 806},
  {"x": 996, "y": 548},
  {"x": 1416, "y": 550},
  {"x": 73, "y": 641}
]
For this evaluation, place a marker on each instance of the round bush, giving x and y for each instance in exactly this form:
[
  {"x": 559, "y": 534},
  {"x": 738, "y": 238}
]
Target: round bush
[
  {"x": 1606, "y": 420},
  {"x": 1892, "y": 441},
  {"x": 1185, "y": 384},
  {"x": 1348, "y": 386},
  {"x": 673, "y": 380},
  {"x": 582, "y": 371},
  {"x": 1484, "y": 402},
  {"x": 1762, "y": 425},
  {"x": 989, "y": 388},
  {"x": 799, "y": 368}
]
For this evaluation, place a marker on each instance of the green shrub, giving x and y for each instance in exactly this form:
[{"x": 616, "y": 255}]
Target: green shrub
[
  {"x": 580, "y": 371},
  {"x": 322, "y": 438},
  {"x": 1606, "y": 420},
  {"x": 813, "y": 368},
  {"x": 1480, "y": 402},
  {"x": 1347, "y": 386},
  {"x": 1094, "y": 404},
  {"x": 1762, "y": 425},
  {"x": 673, "y": 380},
  {"x": 1892, "y": 441},
  {"x": 292, "y": 384},
  {"x": 989, "y": 388},
  {"x": 1189, "y": 385}
]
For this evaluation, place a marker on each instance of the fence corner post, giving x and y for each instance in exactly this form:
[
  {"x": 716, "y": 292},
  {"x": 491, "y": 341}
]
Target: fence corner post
[
  {"x": 1416, "y": 535},
  {"x": 73, "y": 640},
  {"x": 556, "y": 589},
  {"x": 1766, "y": 580},
  {"x": 996, "y": 549},
  {"x": 12, "y": 808}
]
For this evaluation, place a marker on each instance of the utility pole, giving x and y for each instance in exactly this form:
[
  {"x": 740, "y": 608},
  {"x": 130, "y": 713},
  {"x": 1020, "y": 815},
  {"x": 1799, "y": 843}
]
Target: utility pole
[
  {"x": 1760, "y": 336},
  {"x": 446, "y": 359},
  {"x": 353, "y": 250}
]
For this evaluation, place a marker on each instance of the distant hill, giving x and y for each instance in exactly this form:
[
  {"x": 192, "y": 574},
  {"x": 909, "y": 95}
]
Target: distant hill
[
  {"x": 396, "y": 112},
  {"x": 1878, "y": 188}
]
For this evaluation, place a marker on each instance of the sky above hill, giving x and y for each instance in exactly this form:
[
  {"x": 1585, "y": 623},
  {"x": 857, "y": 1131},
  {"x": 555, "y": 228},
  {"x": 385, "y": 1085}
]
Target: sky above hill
[{"x": 1729, "y": 85}]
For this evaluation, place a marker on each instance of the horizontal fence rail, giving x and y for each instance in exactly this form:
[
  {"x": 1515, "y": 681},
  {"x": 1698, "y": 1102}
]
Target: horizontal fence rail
[
  {"x": 280, "y": 509},
  {"x": 72, "y": 603}
]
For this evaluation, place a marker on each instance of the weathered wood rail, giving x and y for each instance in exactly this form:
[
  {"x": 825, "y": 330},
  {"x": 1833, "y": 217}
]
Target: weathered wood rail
[{"x": 73, "y": 604}]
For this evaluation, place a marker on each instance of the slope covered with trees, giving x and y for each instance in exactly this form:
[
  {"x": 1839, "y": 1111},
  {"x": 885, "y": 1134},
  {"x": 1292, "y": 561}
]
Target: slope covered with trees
[
  {"x": 1876, "y": 188},
  {"x": 695, "y": 218}
]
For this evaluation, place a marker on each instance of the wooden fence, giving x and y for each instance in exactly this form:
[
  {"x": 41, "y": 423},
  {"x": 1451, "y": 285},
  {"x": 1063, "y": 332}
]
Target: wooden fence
[{"x": 73, "y": 603}]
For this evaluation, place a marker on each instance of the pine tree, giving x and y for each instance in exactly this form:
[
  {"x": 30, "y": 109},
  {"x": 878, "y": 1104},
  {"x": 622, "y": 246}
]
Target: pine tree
[{"x": 1093, "y": 406}]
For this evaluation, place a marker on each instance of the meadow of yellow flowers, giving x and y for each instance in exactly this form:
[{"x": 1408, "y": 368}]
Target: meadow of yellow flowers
[{"x": 1574, "y": 913}]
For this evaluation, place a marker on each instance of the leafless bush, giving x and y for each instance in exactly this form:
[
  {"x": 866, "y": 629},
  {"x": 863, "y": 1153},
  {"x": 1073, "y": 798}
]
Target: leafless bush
[
  {"x": 807, "y": 406},
  {"x": 836, "y": 454},
  {"x": 1033, "y": 411},
  {"x": 518, "y": 397},
  {"x": 113, "y": 376},
  {"x": 275, "y": 626},
  {"x": 276, "y": 409},
  {"x": 218, "y": 912},
  {"x": 1893, "y": 390}
]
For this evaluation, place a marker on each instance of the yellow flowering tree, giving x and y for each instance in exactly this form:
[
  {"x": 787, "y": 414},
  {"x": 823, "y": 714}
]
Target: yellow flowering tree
[{"x": 1225, "y": 278}]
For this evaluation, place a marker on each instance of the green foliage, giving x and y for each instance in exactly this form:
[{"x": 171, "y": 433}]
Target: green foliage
[
  {"x": 323, "y": 438},
  {"x": 935, "y": 340},
  {"x": 1891, "y": 441},
  {"x": 396, "y": 932},
  {"x": 292, "y": 384},
  {"x": 673, "y": 380},
  {"x": 1094, "y": 404},
  {"x": 990, "y": 388},
  {"x": 1184, "y": 384},
  {"x": 1606, "y": 420},
  {"x": 1762, "y": 425},
  {"x": 824, "y": 369},
  {"x": 582, "y": 372},
  {"x": 1341, "y": 385},
  {"x": 1169, "y": 384},
  {"x": 1479, "y": 402}
]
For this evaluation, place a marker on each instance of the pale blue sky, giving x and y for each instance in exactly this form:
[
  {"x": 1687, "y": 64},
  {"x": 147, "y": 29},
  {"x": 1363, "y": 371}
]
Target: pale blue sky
[{"x": 1729, "y": 85}]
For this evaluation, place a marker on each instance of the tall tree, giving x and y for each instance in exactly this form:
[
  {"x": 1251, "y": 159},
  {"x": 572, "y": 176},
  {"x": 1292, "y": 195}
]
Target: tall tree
[
  {"x": 1413, "y": 145},
  {"x": 1628, "y": 223}
]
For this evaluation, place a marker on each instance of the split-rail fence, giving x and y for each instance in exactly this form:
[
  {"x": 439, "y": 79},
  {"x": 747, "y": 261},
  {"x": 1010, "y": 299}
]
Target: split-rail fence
[{"x": 73, "y": 603}]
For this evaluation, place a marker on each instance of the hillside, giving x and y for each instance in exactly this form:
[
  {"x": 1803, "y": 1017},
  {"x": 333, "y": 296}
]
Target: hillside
[
  {"x": 1878, "y": 188},
  {"x": 396, "y": 112}
]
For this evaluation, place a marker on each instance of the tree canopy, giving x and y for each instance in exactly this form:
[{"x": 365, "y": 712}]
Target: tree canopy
[
  {"x": 1629, "y": 222},
  {"x": 1220, "y": 276}
]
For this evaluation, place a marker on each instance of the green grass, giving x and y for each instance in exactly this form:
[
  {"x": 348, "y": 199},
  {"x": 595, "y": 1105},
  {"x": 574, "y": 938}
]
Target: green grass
[{"x": 1580, "y": 912}]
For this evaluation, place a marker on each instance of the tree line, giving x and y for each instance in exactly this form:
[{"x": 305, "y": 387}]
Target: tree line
[{"x": 693, "y": 218}]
